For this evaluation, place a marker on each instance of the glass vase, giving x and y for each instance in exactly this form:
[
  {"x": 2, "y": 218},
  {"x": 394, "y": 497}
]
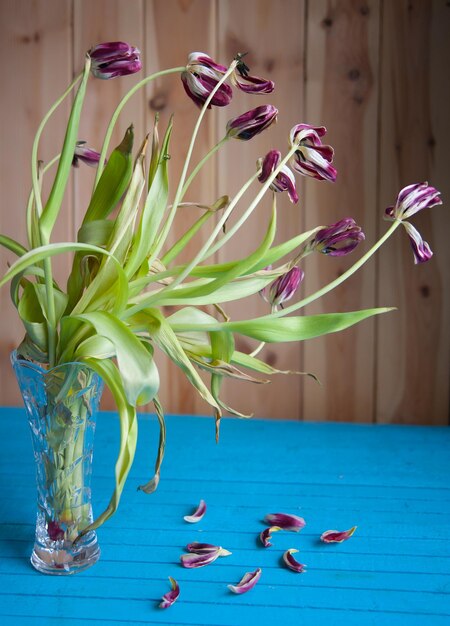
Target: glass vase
[{"x": 61, "y": 405}]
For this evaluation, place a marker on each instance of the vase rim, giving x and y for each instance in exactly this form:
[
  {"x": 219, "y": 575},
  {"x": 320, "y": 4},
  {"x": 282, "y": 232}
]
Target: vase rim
[{"x": 41, "y": 370}]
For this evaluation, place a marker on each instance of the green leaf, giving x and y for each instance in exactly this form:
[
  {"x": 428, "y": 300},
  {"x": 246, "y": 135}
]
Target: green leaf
[
  {"x": 282, "y": 329},
  {"x": 114, "y": 180},
  {"x": 96, "y": 232},
  {"x": 128, "y": 435},
  {"x": 152, "y": 214},
  {"x": 153, "y": 322},
  {"x": 39, "y": 254},
  {"x": 11, "y": 244},
  {"x": 32, "y": 317},
  {"x": 52, "y": 207},
  {"x": 136, "y": 366}
]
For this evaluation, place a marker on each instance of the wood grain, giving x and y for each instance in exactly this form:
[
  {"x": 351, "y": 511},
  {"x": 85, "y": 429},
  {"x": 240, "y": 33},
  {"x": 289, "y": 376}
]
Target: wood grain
[
  {"x": 36, "y": 67},
  {"x": 341, "y": 92},
  {"x": 275, "y": 51},
  {"x": 412, "y": 375}
]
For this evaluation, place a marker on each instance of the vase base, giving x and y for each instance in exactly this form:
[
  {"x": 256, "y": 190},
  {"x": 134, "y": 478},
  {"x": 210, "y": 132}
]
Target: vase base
[{"x": 66, "y": 558}]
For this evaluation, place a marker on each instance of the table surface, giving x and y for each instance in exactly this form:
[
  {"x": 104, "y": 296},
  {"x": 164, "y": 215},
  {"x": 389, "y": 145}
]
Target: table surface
[{"x": 390, "y": 481}]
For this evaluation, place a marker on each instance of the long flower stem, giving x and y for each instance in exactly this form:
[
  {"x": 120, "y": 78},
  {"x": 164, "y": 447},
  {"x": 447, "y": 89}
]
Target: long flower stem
[
  {"x": 122, "y": 103},
  {"x": 335, "y": 283},
  {"x": 201, "y": 163},
  {"x": 179, "y": 192},
  {"x": 250, "y": 209}
]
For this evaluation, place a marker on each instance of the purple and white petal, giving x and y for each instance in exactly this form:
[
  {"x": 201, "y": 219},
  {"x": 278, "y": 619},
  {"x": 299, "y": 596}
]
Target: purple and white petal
[
  {"x": 292, "y": 563},
  {"x": 421, "y": 250},
  {"x": 200, "y": 78},
  {"x": 114, "y": 58},
  {"x": 85, "y": 154},
  {"x": 266, "y": 535},
  {"x": 312, "y": 158},
  {"x": 248, "y": 581},
  {"x": 337, "y": 536},
  {"x": 284, "y": 180},
  {"x": 252, "y": 84},
  {"x": 197, "y": 515},
  {"x": 251, "y": 123},
  {"x": 285, "y": 521},
  {"x": 415, "y": 198},
  {"x": 194, "y": 560},
  {"x": 171, "y": 596},
  {"x": 338, "y": 239},
  {"x": 206, "y": 548},
  {"x": 284, "y": 287}
]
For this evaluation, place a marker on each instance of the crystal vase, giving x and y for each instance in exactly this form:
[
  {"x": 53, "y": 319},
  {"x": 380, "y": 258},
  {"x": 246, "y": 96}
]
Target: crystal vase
[{"x": 61, "y": 405}]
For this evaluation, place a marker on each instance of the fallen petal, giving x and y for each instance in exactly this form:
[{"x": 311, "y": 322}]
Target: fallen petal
[
  {"x": 285, "y": 521},
  {"x": 266, "y": 535},
  {"x": 292, "y": 563},
  {"x": 248, "y": 582},
  {"x": 194, "y": 560},
  {"x": 198, "y": 515},
  {"x": 171, "y": 596},
  {"x": 205, "y": 548},
  {"x": 337, "y": 536}
]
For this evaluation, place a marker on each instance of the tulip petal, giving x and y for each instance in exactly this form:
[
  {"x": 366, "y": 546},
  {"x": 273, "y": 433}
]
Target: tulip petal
[
  {"x": 197, "y": 515},
  {"x": 194, "y": 560},
  {"x": 421, "y": 250},
  {"x": 171, "y": 596},
  {"x": 292, "y": 563},
  {"x": 206, "y": 548},
  {"x": 248, "y": 581},
  {"x": 266, "y": 535},
  {"x": 337, "y": 536},
  {"x": 285, "y": 521}
]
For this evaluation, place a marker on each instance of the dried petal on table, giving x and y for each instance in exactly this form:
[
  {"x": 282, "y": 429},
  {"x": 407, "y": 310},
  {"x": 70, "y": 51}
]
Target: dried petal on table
[
  {"x": 247, "y": 582},
  {"x": 285, "y": 521},
  {"x": 292, "y": 563},
  {"x": 171, "y": 596},
  {"x": 266, "y": 535},
  {"x": 198, "y": 514},
  {"x": 205, "y": 548},
  {"x": 337, "y": 536}
]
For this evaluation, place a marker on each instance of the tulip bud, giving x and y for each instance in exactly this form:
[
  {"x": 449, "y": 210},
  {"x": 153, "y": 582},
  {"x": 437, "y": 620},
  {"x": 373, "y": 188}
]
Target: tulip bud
[
  {"x": 285, "y": 286},
  {"x": 251, "y": 123},
  {"x": 115, "y": 58}
]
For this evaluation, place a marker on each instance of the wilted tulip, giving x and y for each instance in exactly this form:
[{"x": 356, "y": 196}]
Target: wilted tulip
[
  {"x": 284, "y": 180},
  {"x": 312, "y": 158},
  {"x": 200, "y": 78},
  {"x": 250, "y": 84},
  {"x": 284, "y": 288},
  {"x": 338, "y": 239},
  {"x": 115, "y": 58},
  {"x": 251, "y": 123},
  {"x": 411, "y": 200}
]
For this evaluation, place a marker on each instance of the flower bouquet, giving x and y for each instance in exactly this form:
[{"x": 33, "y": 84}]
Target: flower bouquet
[{"x": 109, "y": 322}]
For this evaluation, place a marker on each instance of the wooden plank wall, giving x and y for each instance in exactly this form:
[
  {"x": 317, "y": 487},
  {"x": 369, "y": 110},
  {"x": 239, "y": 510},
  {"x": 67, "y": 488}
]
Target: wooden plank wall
[{"x": 374, "y": 72}]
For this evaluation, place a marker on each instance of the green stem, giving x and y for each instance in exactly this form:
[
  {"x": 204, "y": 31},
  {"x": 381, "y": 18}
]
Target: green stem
[
  {"x": 118, "y": 110},
  {"x": 51, "y": 313},
  {"x": 30, "y": 205},
  {"x": 199, "y": 165},
  {"x": 181, "y": 243},
  {"x": 178, "y": 195},
  {"x": 334, "y": 283}
]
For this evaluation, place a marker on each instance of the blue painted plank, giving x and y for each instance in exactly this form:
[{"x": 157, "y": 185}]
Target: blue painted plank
[{"x": 391, "y": 481}]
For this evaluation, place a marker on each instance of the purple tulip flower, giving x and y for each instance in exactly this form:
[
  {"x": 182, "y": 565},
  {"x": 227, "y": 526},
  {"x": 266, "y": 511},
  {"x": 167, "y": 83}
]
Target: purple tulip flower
[
  {"x": 284, "y": 288},
  {"x": 410, "y": 201},
  {"x": 86, "y": 155},
  {"x": 200, "y": 78},
  {"x": 115, "y": 58},
  {"x": 312, "y": 158},
  {"x": 251, "y": 123},
  {"x": 338, "y": 239},
  {"x": 284, "y": 180}
]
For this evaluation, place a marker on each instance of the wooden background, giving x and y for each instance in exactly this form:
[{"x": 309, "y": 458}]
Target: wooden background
[{"x": 374, "y": 72}]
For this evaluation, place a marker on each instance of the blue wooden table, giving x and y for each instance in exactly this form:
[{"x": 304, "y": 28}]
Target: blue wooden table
[{"x": 390, "y": 481}]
